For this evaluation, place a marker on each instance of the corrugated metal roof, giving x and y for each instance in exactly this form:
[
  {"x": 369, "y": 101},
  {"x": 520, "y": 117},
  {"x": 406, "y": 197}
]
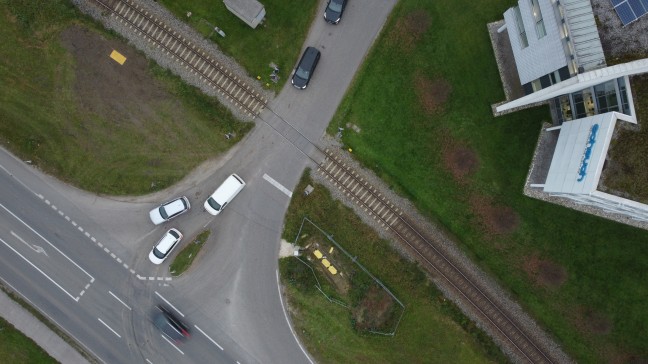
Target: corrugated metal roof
[{"x": 584, "y": 34}]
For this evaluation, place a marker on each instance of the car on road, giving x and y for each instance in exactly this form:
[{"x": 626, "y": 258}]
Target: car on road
[
  {"x": 163, "y": 247},
  {"x": 334, "y": 10},
  {"x": 305, "y": 68},
  {"x": 224, "y": 194},
  {"x": 170, "y": 325},
  {"x": 169, "y": 210}
]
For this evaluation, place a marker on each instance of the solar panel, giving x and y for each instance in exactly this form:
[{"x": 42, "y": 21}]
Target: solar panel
[
  {"x": 630, "y": 10},
  {"x": 625, "y": 13},
  {"x": 637, "y": 7}
]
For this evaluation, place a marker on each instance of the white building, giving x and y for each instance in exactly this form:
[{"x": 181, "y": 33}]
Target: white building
[{"x": 560, "y": 60}]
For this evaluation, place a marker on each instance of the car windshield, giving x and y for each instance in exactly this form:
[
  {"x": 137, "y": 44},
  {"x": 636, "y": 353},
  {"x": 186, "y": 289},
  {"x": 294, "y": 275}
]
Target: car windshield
[
  {"x": 163, "y": 213},
  {"x": 214, "y": 204},
  {"x": 302, "y": 73},
  {"x": 335, "y": 6},
  {"x": 158, "y": 253}
]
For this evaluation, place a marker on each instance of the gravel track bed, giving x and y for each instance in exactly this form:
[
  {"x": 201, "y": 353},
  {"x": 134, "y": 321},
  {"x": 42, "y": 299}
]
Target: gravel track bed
[
  {"x": 160, "y": 56},
  {"x": 454, "y": 253}
]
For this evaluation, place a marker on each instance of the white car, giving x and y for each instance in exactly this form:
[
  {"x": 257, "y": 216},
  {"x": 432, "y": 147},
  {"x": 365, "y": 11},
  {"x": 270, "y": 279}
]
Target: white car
[
  {"x": 224, "y": 194},
  {"x": 169, "y": 210},
  {"x": 162, "y": 249}
]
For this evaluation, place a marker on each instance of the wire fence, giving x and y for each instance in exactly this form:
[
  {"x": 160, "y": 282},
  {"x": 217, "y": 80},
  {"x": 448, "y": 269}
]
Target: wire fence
[{"x": 354, "y": 260}]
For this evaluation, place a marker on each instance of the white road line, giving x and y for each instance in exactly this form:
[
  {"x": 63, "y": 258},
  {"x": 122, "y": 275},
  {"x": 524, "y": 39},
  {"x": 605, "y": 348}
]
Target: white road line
[
  {"x": 169, "y": 303},
  {"x": 19, "y": 181},
  {"x": 209, "y": 338},
  {"x": 47, "y": 241},
  {"x": 278, "y": 185},
  {"x": 109, "y": 328},
  {"x": 283, "y": 308},
  {"x": 122, "y": 302},
  {"x": 38, "y": 269},
  {"x": 172, "y": 344},
  {"x": 148, "y": 361}
]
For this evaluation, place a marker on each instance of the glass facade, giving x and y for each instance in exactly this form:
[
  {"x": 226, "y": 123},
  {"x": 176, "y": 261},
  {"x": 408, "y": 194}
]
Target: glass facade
[
  {"x": 537, "y": 17},
  {"x": 524, "y": 42},
  {"x": 602, "y": 98}
]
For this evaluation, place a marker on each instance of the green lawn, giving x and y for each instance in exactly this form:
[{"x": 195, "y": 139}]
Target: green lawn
[
  {"x": 422, "y": 101},
  {"x": 18, "y": 348},
  {"x": 278, "y": 39},
  {"x": 95, "y": 129},
  {"x": 432, "y": 329}
]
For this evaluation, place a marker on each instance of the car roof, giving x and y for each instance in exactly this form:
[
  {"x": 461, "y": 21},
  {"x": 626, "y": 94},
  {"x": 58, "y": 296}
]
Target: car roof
[
  {"x": 309, "y": 56},
  {"x": 230, "y": 186},
  {"x": 174, "y": 206},
  {"x": 166, "y": 242}
]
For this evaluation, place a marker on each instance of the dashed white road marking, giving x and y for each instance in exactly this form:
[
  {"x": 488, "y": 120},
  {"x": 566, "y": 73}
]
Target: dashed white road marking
[
  {"x": 122, "y": 302},
  {"x": 283, "y": 308},
  {"x": 109, "y": 328},
  {"x": 209, "y": 338},
  {"x": 279, "y": 186},
  {"x": 169, "y": 303},
  {"x": 172, "y": 344}
]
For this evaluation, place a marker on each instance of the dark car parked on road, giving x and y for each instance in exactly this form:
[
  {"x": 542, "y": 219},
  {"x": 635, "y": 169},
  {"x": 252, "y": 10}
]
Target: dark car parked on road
[
  {"x": 334, "y": 10},
  {"x": 304, "y": 71}
]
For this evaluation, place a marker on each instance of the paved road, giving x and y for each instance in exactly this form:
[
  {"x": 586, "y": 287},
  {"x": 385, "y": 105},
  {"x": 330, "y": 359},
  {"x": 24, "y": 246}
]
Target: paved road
[{"x": 58, "y": 242}]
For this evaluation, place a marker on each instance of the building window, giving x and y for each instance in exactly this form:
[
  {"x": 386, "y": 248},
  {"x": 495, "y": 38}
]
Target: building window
[
  {"x": 625, "y": 107},
  {"x": 537, "y": 17},
  {"x": 524, "y": 42},
  {"x": 606, "y": 97}
]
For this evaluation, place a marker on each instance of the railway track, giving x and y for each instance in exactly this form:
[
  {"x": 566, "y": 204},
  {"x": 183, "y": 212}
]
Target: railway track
[
  {"x": 390, "y": 217},
  {"x": 232, "y": 88}
]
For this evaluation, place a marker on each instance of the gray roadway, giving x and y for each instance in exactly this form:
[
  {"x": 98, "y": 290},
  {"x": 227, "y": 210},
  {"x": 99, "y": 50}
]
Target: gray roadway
[{"x": 82, "y": 259}]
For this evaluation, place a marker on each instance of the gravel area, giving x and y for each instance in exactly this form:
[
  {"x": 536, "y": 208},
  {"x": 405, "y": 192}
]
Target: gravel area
[
  {"x": 538, "y": 174},
  {"x": 620, "y": 43},
  {"x": 445, "y": 243},
  {"x": 160, "y": 56}
]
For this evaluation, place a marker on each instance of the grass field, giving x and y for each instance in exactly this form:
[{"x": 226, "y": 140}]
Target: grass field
[
  {"x": 432, "y": 329},
  {"x": 73, "y": 112},
  {"x": 422, "y": 101},
  {"x": 18, "y": 348},
  {"x": 278, "y": 39}
]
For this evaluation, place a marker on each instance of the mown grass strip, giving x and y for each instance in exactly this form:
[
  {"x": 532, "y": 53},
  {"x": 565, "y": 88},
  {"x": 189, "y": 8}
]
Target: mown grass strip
[{"x": 183, "y": 260}]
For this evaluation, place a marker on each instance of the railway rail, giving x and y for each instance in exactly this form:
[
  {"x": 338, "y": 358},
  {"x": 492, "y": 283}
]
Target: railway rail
[
  {"x": 392, "y": 218},
  {"x": 232, "y": 88},
  {"x": 341, "y": 175}
]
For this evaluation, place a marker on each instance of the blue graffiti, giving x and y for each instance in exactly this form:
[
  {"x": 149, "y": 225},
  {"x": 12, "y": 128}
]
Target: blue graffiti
[{"x": 582, "y": 171}]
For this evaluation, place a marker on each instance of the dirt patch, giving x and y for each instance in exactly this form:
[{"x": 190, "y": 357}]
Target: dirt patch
[
  {"x": 459, "y": 159},
  {"x": 125, "y": 93},
  {"x": 374, "y": 309},
  {"x": 495, "y": 219},
  {"x": 409, "y": 30},
  {"x": 545, "y": 272},
  {"x": 432, "y": 94},
  {"x": 593, "y": 322}
]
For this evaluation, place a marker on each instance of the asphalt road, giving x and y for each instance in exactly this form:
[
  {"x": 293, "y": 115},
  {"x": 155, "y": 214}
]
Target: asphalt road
[{"x": 82, "y": 259}]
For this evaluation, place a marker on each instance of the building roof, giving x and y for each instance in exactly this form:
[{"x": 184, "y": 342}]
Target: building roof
[
  {"x": 248, "y": 9},
  {"x": 584, "y": 34},
  {"x": 580, "y": 154}
]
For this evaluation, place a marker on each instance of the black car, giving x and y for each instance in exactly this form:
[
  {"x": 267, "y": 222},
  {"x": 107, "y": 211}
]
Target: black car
[
  {"x": 334, "y": 10},
  {"x": 170, "y": 325},
  {"x": 305, "y": 68}
]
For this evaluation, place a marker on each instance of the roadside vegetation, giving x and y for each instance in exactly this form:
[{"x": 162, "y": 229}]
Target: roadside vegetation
[
  {"x": 183, "y": 260},
  {"x": 277, "y": 40},
  {"x": 75, "y": 113},
  {"x": 432, "y": 329},
  {"x": 422, "y": 102},
  {"x": 15, "y": 347}
]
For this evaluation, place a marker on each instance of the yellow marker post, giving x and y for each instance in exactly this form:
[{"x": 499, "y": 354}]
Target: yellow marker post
[
  {"x": 317, "y": 254},
  {"x": 326, "y": 263},
  {"x": 331, "y": 250},
  {"x": 332, "y": 270},
  {"x": 118, "y": 57}
]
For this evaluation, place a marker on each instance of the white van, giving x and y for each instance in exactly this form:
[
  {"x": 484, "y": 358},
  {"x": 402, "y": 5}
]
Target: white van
[{"x": 224, "y": 194}]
